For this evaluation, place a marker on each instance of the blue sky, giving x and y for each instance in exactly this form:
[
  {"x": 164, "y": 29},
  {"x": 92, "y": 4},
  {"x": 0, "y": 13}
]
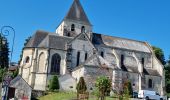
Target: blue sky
[{"x": 145, "y": 20}]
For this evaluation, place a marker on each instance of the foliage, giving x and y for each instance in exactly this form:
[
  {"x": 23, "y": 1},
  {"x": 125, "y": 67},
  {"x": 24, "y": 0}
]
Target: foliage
[
  {"x": 2, "y": 73},
  {"x": 15, "y": 73},
  {"x": 167, "y": 76},
  {"x": 81, "y": 86},
  {"x": 4, "y": 52},
  {"x": 127, "y": 89},
  {"x": 103, "y": 85},
  {"x": 54, "y": 84},
  {"x": 159, "y": 54}
]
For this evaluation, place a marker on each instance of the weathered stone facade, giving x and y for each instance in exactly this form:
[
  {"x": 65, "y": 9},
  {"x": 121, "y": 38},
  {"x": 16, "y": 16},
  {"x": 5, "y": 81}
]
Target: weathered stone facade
[{"x": 75, "y": 51}]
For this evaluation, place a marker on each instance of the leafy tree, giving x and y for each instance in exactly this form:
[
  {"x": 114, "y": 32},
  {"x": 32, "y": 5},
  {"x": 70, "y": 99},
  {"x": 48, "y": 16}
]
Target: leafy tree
[
  {"x": 81, "y": 86},
  {"x": 54, "y": 84},
  {"x": 3, "y": 71},
  {"x": 103, "y": 84},
  {"x": 159, "y": 54},
  {"x": 4, "y": 52},
  {"x": 15, "y": 73},
  {"x": 167, "y": 76}
]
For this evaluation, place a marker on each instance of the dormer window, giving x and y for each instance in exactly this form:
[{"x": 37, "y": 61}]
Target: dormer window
[
  {"x": 83, "y": 29},
  {"x": 72, "y": 27}
]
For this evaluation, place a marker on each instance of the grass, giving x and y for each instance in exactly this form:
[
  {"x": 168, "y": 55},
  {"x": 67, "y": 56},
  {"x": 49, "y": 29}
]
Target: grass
[
  {"x": 66, "y": 96},
  {"x": 58, "y": 96}
]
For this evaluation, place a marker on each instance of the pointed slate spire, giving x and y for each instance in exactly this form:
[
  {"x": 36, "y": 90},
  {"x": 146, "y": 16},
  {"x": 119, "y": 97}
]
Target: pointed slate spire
[{"x": 76, "y": 12}]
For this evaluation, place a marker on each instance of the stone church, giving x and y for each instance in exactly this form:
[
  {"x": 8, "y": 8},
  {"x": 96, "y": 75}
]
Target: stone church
[{"x": 74, "y": 50}]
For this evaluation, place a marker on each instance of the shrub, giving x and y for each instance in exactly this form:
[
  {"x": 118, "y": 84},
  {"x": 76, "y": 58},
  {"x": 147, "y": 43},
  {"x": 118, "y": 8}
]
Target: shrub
[
  {"x": 81, "y": 86},
  {"x": 127, "y": 89},
  {"x": 103, "y": 85},
  {"x": 54, "y": 84}
]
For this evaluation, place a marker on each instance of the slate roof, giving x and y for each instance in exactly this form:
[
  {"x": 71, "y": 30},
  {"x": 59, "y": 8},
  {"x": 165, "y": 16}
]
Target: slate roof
[
  {"x": 151, "y": 72},
  {"x": 118, "y": 42},
  {"x": 48, "y": 40},
  {"x": 97, "y": 61},
  {"x": 76, "y": 12}
]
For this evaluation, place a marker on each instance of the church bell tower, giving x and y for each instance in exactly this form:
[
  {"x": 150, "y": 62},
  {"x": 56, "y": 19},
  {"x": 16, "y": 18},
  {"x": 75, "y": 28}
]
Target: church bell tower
[{"x": 75, "y": 22}]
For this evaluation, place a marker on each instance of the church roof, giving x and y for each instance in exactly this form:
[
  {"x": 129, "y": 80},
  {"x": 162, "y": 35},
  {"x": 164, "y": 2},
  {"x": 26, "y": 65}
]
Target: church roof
[
  {"x": 76, "y": 12},
  {"x": 151, "y": 72},
  {"x": 48, "y": 40},
  {"x": 97, "y": 61},
  {"x": 122, "y": 43}
]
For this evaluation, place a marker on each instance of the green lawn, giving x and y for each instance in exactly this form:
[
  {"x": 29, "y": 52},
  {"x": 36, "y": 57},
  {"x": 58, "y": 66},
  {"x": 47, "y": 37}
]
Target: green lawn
[{"x": 65, "y": 96}]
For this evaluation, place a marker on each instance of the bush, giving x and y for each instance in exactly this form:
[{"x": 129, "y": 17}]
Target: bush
[
  {"x": 54, "y": 84},
  {"x": 3, "y": 71},
  {"x": 103, "y": 85},
  {"x": 81, "y": 86},
  {"x": 127, "y": 89}
]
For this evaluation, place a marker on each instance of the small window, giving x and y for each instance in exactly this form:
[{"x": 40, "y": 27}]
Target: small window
[
  {"x": 102, "y": 54},
  {"x": 72, "y": 27},
  {"x": 27, "y": 59},
  {"x": 68, "y": 34},
  {"x": 78, "y": 58},
  {"x": 86, "y": 56},
  {"x": 150, "y": 83},
  {"x": 122, "y": 60},
  {"x": 143, "y": 61},
  {"x": 83, "y": 29}
]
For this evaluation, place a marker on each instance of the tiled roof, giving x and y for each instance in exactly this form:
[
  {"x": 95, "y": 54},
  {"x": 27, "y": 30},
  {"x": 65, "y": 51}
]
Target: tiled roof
[
  {"x": 117, "y": 42},
  {"x": 77, "y": 13}
]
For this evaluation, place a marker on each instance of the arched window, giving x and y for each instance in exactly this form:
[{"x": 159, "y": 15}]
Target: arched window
[
  {"x": 27, "y": 59},
  {"x": 68, "y": 34},
  {"x": 86, "y": 56},
  {"x": 122, "y": 60},
  {"x": 143, "y": 62},
  {"x": 55, "y": 64},
  {"x": 72, "y": 27},
  {"x": 150, "y": 83},
  {"x": 78, "y": 58},
  {"x": 83, "y": 29},
  {"x": 102, "y": 53},
  {"x": 41, "y": 63}
]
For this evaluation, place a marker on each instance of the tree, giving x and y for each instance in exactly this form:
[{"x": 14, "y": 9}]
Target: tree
[
  {"x": 4, "y": 52},
  {"x": 81, "y": 86},
  {"x": 54, "y": 84},
  {"x": 103, "y": 84},
  {"x": 167, "y": 76},
  {"x": 159, "y": 54},
  {"x": 127, "y": 89}
]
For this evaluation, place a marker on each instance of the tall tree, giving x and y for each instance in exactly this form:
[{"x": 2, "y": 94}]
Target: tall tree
[
  {"x": 4, "y": 52},
  {"x": 159, "y": 54}
]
